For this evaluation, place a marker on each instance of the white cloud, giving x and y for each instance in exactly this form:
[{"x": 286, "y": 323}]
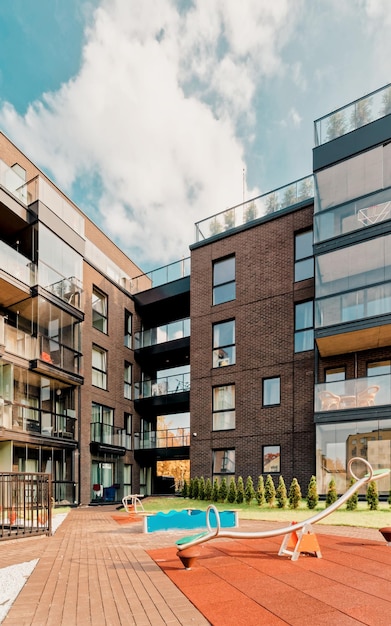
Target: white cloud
[{"x": 153, "y": 113}]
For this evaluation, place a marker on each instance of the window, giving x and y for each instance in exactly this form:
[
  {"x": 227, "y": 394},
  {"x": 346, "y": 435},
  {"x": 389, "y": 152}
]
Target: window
[
  {"x": 271, "y": 459},
  {"x": 271, "y": 391},
  {"x": 127, "y": 479},
  {"x": 99, "y": 310},
  {"x": 378, "y": 368},
  {"x": 99, "y": 367},
  {"x": 128, "y": 380},
  {"x": 224, "y": 352},
  {"x": 102, "y": 420},
  {"x": 224, "y": 280},
  {"x": 223, "y": 463},
  {"x": 335, "y": 374},
  {"x": 304, "y": 326},
  {"x": 224, "y": 407},
  {"x": 304, "y": 260},
  {"x": 128, "y": 329}
]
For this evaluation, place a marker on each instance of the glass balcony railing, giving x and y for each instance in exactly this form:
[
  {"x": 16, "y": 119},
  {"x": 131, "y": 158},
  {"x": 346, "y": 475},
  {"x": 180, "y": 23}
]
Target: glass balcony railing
[
  {"x": 161, "y": 275},
  {"x": 162, "y": 334},
  {"x": 17, "y": 265},
  {"x": 354, "y": 115},
  {"x": 111, "y": 435},
  {"x": 55, "y": 353},
  {"x": 355, "y": 393},
  {"x": 12, "y": 182},
  {"x": 18, "y": 342},
  {"x": 169, "y": 438},
  {"x": 263, "y": 205},
  {"x": 162, "y": 386},
  {"x": 23, "y": 418}
]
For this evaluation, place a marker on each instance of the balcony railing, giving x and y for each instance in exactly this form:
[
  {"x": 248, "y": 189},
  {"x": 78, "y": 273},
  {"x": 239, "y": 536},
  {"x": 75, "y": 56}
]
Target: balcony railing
[
  {"x": 162, "y": 334},
  {"x": 17, "y": 341},
  {"x": 169, "y": 438},
  {"x": 263, "y": 205},
  {"x": 162, "y": 386},
  {"x": 111, "y": 435},
  {"x": 161, "y": 275},
  {"x": 354, "y": 115},
  {"x": 17, "y": 265},
  {"x": 27, "y": 419},
  {"x": 25, "y": 504},
  {"x": 54, "y": 353},
  {"x": 354, "y": 393}
]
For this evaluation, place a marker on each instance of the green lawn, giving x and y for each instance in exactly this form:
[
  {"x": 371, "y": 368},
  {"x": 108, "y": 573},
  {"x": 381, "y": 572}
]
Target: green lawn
[{"x": 361, "y": 517}]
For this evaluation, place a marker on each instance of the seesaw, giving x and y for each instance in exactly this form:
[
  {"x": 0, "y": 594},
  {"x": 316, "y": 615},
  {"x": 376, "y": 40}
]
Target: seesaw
[{"x": 299, "y": 537}]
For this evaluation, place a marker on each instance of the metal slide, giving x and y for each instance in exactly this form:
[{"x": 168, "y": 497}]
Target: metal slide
[{"x": 213, "y": 533}]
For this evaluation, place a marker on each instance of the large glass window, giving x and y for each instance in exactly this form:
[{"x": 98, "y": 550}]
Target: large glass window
[
  {"x": 102, "y": 421},
  {"x": 99, "y": 367},
  {"x": 304, "y": 260},
  {"x": 224, "y": 280},
  {"x": 224, "y": 407},
  {"x": 128, "y": 329},
  {"x": 271, "y": 391},
  {"x": 224, "y": 351},
  {"x": 377, "y": 368},
  {"x": 99, "y": 310},
  {"x": 128, "y": 380},
  {"x": 271, "y": 459},
  {"x": 304, "y": 326},
  {"x": 223, "y": 463}
]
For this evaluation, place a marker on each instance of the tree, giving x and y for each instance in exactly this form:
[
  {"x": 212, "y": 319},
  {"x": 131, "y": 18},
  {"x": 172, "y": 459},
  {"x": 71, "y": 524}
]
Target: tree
[
  {"x": 240, "y": 490},
  {"x": 231, "y": 497},
  {"x": 185, "y": 489},
  {"x": 223, "y": 490},
  {"x": 386, "y": 102},
  {"x": 372, "y": 496},
  {"x": 190, "y": 490},
  {"x": 215, "y": 490},
  {"x": 229, "y": 219},
  {"x": 336, "y": 125},
  {"x": 208, "y": 489},
  {"x": 270, "y": 490},
  {"x": 289, "y": 197},
  {"x": 250, "y": 212},
  {"x": 201, "y": 489},
  {"x": 272, "y": 203},
  {"x": 306, "y": 189},
  {"x": 249, "y": 492},
  {"x": 281, "y": 496},
  {"x": 362, "y": 113},
  {"x": 352, "y": 502},
  {"x": 294, "y": 494},
  {"x": 215, "y": 226},
  {"x": 196, "y": 488},
  {"x": 331, "y": 495},
  {"x": 312, "y": 493},
  {"x": 260, "y": 494}
]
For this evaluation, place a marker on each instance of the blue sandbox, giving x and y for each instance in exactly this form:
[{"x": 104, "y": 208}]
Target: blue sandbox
[{"x": 188, "y": 519}]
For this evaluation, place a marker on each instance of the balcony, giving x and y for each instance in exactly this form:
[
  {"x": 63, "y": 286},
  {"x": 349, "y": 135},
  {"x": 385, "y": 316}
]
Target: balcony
[
  {"x": 266, "y": 204},
  {"x": 169, "y": 438},
  {"x": 53, "y": 354},
  {"x": 162, "y": 334},
  {"x": 26, "y": 419},
  {"x": 368, "y": 109},
  {"x": 17, "y": 265},
  {"x": 109, "y": 438},
  {"x": 357, "y": 393},
  {"x": 162, "y": 387},
  {"x": 17, "y": 342},
  {"x": 161, "y": 276}
]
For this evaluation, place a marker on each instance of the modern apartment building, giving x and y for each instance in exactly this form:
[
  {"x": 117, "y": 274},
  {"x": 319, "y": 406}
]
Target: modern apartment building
[{"x": 287, "y": 368}]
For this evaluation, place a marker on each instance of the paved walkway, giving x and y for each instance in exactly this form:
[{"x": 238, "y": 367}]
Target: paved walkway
[{"x": 96, "y": 571}]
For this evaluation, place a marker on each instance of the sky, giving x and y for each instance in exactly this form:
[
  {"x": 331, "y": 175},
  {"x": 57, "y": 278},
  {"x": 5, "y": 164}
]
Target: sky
[{"x": 152, "y": 115}]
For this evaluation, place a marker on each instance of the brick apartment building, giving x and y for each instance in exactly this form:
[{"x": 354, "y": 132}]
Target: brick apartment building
[{"x": 287, "y": 368}]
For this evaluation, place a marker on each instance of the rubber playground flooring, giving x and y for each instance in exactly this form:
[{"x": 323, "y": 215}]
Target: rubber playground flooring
[{"x": 245, "y": 582}]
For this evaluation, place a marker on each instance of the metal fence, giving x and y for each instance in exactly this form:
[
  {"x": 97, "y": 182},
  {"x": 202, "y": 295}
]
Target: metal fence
[{"x": 25, "y": 504}]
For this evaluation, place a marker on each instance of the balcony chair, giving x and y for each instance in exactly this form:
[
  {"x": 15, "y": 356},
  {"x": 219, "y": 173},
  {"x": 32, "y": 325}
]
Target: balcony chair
[
  {"x": 367, "y": 397},
  {"x": 329, "y": 401}
]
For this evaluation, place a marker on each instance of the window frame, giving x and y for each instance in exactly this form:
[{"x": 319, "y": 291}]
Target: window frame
[
  {"x": 99, "y": 372},
  {"x": 221, "y": 285},
  {"x": 226, "y": 412},
  {"x": 223, "y": 473},
  {"x": 266, "y": 380},
  {"x": 98, "y": 316},
  {"x": 128, "y": 321},
  {"x": 221, "y": 357},
  {"x": 265, "y": 468},
  {"x": 128, "y": 368},
  {"x": 303, "y": 260},
  {"x": 304, "y": 332}
]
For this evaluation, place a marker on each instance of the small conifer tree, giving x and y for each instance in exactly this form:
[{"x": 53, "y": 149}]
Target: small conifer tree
[
  {"x": 223, "y": 490},
  {"x": 208, "y": 489},
  {"x": 352, "y": 502},
  {"x": 281, "y": 495},
  {"x": 312, "y": 493},
  {"x": 240, "y": 490},
  {"x": 372, "y": 496},
  {"x": 231, "y": 497},
  {"x": 190, "y": 490},
  {"x": 196, "y": 488},
  {"x": 260, "y": 494},
  {"x": 215, "y": 490},
  {"x": 185, "y": 489},
  {"x": 201, "y": 489},
  {"x": 249, "y": 492},
  {"x": 294, "y": 494},
  {"x": 331, "y": 495},
  {"x": 270, "y": 490}
]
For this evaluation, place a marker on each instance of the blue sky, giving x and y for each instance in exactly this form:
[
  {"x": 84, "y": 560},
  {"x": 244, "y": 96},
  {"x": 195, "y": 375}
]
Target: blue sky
[{"x": 147, "y": 112}]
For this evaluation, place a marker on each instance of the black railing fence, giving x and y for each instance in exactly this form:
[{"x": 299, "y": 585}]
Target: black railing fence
[{"x": 25, "y": 504}]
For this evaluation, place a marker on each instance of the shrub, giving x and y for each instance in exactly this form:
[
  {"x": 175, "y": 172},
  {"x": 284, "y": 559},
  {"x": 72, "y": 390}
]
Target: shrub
[
  {"x": 249, "y": 492},
  {"x": 215, "y": 490},
  {"x": 352, "y": 502},
  {"x": 260, "y": 494},
  {"x": 294, "y": 494},
  {"x": 201, "y": 489},
  {"x": 270, "y": 490},
  {"x": 185, "y": 489},
  {"x": 312, "y": 493},
  {"x": 223, "y": 490},
  {"x": 196, "y": 488},
  {"x": 231, "y": 497},
  {"x": 281, "y": 496},
  {"x": 191, "y": 485},
  {"x": 208, "y": 489},
  {"x": 331, "y": 495},
  {"x": 372, "y": 496},
  {"x": 240, "y": 490}
]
